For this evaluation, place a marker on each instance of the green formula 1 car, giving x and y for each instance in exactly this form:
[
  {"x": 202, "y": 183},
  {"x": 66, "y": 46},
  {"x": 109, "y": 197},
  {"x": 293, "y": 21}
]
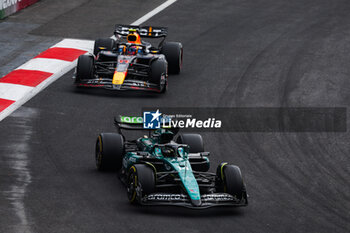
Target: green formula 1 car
[{"x": 160, "y": 170}]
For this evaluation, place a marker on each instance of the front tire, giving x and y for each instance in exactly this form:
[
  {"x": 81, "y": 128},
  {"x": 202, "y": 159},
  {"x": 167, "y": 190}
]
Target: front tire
[
  {"x": 85, "y": 68},
  {"x": 229, "y": 180},
  {"x": 107, "y": 44},
  {"x": 159, "y": 75},
  {"x": 109, "y": 151},
  {"x": 194, "y": 141},
  {"x": 141, "y": 181},
  {"x": 173, "y": 52}
]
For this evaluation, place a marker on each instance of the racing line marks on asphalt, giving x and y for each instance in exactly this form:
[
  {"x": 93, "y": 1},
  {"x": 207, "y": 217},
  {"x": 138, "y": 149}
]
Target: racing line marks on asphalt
[{"x": 29, "y": 79}]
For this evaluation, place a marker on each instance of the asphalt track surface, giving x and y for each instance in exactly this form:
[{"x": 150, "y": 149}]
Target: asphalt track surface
[{"x": 237, "y": 53}]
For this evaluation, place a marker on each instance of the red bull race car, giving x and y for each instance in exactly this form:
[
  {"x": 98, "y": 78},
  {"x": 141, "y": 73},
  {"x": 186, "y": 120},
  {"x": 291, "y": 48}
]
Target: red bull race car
[{"x": 126, "y": 62}]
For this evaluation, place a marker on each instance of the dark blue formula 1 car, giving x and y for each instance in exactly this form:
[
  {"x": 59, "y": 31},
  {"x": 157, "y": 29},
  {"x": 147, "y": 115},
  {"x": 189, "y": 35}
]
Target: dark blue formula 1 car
[{"x": 127, "y": 62}]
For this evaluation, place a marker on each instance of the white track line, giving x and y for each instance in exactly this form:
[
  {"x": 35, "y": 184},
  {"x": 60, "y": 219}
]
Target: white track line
[{"x": 153, "y": 12}]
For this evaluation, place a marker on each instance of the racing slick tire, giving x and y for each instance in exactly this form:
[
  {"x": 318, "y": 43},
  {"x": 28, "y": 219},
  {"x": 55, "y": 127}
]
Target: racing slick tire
[
  {"x": 109, "y": 151},
  {"x": 229, "y": 180},
  {"x": 194, "y": 141},
  {"x": 85, "y": 68},
  {"x": 173, "y": 52},
  {"x": 141, "y": 181},
  {"x": 107, "y": 43},
  {"x": 159, "y": 72}
]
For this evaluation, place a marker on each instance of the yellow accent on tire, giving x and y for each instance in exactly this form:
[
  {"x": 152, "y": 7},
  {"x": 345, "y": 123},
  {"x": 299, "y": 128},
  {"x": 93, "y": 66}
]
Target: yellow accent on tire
[
  {"x": 222, "y": 170},
  {"x": 150, "y": 164},
  {"x": 154, "y": 168},
  {"x": 222, "y": 175},
  {"x": 100, "y": 140}
]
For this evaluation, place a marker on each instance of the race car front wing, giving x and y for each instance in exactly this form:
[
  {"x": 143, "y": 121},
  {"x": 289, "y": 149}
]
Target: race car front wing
[
  {"x": 206, "y": 201},
  {"x": 127, "y": 85}
]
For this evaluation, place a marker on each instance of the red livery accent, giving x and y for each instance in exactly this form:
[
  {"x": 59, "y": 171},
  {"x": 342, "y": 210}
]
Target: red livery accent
[
  {"x": 145, "y": 88},
  {"x": 123, "y": 61},
  {"x": 4, "y": 103},
  {"x": 90, "y": 85},
  {"x": 30, "y": 78},
  {"x": 65, "y": 54}
]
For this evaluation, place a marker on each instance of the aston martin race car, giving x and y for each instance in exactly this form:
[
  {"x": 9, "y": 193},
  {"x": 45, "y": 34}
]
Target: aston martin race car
[
  {"x": 168, "y": 168},
  {"x": 127, "y": 62}
]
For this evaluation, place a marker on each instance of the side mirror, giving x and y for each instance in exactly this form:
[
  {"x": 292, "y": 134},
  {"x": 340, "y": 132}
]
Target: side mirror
[
  {"x": 183, "y": 151},
  {"x": 206, "y": 154},
  {"x": 185, "y": 156},
  {"x": 157, "y": 151},
  {"x": 143, "y": 153}
]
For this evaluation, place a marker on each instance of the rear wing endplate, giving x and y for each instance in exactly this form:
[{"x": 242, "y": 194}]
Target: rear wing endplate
[
  {"x": 144, "y": 31},
  {"x": 128, "y": 123}
]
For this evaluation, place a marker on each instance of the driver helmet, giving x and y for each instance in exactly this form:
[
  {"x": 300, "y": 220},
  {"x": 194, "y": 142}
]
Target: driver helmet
[
  {"x": 164, "y": 136},
  {"x": 168, "y": 152},
  {"x": 132, "y": 50},
  {"x": 133, "y": 37}
]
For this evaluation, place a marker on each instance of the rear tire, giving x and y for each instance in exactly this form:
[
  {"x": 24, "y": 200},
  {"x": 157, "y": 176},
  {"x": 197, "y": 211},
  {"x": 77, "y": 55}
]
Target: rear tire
[
  {"x": 109, "y": 151},
  {"x": 173, "y": 52},
  {"x": 229, "y": 180},
  {"x": 159, "y": 75},
  {"x": 107, "y": 43},
  {"x": 194, "y": 141},
  {"x": 140, "y": 177},
  {"x": 85, "y": 68}
]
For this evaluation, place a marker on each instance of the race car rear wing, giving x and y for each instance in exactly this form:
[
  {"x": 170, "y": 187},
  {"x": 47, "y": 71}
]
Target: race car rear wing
[
  {"x": 144, "y": 31},
  {"x": 128, "y": 123},
  {"x": 133, "y": 123}
]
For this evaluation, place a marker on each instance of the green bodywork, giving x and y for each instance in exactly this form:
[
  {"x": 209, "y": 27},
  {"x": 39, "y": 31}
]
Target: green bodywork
[{"x": 179, "y": 163}]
